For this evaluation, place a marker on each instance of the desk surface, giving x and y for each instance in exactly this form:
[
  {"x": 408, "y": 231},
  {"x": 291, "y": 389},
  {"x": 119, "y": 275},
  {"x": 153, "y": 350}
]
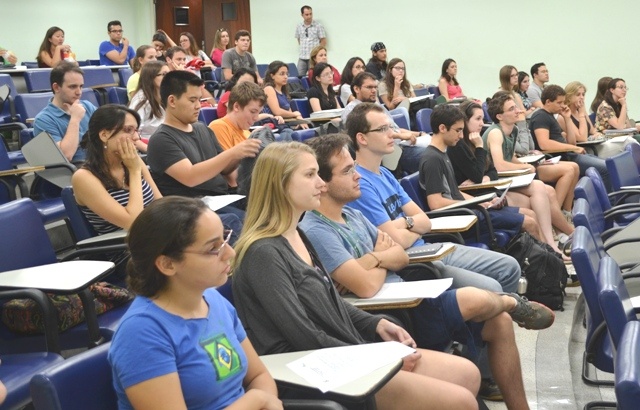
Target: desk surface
[
  {"x": 454, "y": 223},
  {"x": 64, "y": 277},
  {"x": 355, "y": 390},
  {"x": 446, "y": 249}
]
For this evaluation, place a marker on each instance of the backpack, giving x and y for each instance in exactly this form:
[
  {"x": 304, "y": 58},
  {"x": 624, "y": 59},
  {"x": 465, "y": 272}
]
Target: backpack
[{"x": 545, "y": 271}]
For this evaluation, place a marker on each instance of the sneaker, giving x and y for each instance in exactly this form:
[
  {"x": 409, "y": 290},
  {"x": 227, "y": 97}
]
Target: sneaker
[
  {"x": 531, "y": 315},
  {"x": 489, "y": 390}
]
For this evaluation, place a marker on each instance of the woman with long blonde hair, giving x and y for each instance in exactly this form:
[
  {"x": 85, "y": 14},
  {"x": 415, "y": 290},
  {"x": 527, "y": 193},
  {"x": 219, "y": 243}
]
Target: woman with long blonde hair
[{"x": 288, "y": 302}]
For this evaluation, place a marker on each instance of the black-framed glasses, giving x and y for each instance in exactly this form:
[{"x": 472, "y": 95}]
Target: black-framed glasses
[
  {"x": 218, "y": 251},
  {"x": 116, "y": 31}
]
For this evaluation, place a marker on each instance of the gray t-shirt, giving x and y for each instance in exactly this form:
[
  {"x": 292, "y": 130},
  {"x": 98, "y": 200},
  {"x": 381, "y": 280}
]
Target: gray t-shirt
[
  {"x": 534, "y": 92},
  {"x": 169, "y": 145},
  {"x": 231, "y": 59}
]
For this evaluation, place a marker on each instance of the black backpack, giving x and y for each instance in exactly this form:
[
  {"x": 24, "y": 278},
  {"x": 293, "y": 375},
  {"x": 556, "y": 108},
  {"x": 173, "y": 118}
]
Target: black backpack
[{"x": 544, "y": 269}]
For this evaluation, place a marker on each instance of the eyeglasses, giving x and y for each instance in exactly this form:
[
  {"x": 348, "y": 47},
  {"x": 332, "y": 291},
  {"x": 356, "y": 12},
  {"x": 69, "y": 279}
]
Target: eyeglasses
[
  {"x": 399, "y": 68},
  {"x": 349, "y": 171},
  {"x": 116, "y": 31},
  {"x": 327, "y": 75},
  {"x": 131, "y": 130},
  {"x": 161, "y": 74},
  {"x": 215, "y": 252},
  {"x": 358, "y": 67},
  {"x": 622, "y": 87},
  {"x": 383, "y": 129}
]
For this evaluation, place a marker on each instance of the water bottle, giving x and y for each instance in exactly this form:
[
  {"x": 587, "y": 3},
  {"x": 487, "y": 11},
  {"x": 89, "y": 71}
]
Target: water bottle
[{"x": 523, "y": 282}]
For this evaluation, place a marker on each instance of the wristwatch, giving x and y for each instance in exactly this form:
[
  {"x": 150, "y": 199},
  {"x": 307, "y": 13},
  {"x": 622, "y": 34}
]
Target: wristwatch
[{"x": 409, "y": 221}]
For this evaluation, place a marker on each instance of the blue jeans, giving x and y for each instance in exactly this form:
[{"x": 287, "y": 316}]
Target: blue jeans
[
  {"x": 410, "y": 158},
  {"x": 480, "y": 268},
  {"x": 232, "y": 218},
  {"x": 586, "y": 161}
]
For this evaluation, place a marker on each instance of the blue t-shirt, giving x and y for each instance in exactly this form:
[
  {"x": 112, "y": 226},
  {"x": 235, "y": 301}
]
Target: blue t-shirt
[
  {"x": 107, "y": 46},
  {"x": 206, "y": 353},
  {"x": 55, "y": 121},
  {"x": 336, "y": 243},
  {"x": 382, "y": 197}
]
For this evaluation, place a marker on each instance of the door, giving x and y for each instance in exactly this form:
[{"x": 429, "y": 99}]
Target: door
[
  {"x": 176, "y": 16},
  {"x": 231, "y": 15}
]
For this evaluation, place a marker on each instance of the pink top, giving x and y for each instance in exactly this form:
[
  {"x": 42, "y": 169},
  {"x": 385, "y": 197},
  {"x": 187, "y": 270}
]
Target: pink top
[
  {"x": 454, "y": 91},
  {"x": 216, "y": 57}
]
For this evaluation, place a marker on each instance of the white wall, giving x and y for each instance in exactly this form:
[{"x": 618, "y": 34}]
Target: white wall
[
  {"x": 25, "y": 23},
  {"x": 578, "y": 39}
]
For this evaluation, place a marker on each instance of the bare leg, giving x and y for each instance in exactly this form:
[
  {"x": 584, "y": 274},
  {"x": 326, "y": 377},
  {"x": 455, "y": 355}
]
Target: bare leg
[
  {"x": 565, "y": 176},
  {"x": 504, "y": 360},
  {"x": 480, "y": 305},
  {"x": 428, "y": 387},
  {"x": 557, "y": 218}
]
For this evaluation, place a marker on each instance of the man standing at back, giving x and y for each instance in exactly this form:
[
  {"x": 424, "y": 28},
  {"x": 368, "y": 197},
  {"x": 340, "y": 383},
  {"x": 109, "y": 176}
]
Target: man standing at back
[
  {"x": 66, "y": 117},
  {"x": 239, "y": 57},
  {"x": 540, "y": 76},
  {"x": 117, "y": 50},
  {"x": 309, "y": 34}
]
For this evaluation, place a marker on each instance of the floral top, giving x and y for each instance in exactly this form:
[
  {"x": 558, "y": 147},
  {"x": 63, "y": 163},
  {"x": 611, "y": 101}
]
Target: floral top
[
  {"x": 525, "y": 100},
  {"x": 603, "y": 115}
]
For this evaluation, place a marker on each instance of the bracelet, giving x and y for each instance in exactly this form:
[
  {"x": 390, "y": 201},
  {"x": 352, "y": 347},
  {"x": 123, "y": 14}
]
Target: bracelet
[{"x": 377, "y": 259}]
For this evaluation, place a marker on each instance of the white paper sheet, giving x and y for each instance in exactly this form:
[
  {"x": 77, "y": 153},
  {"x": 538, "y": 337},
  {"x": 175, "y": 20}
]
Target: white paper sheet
[
  {"x": 333, "y": 367},
  {"x": 220, "y": 201},
  {"x": 418, "y": 289}
]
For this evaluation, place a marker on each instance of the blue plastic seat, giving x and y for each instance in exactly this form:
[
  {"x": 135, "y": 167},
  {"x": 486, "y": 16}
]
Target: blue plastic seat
[
  {"x": 305, "y": 83},
  {"x": 25, "y": 243},
  {"x": 29, "y": 105},
  {"x": 434, "y": 90},
  {"x": 262, "y": 69},
  {"x": 293, "y": 70},
  {"x": 303, "y": 135},
  {"x": 89, "y": 94},
  {"x": 634, "y": 149},
  {"x": 208, "y": 114},
  {"x": 627, "y": 368},
  {"x": 123, "y": 75},
  {"x": 38, "y": 81},
  {"x": 621, "y": 214},
  {"x": 301, "y": 105},
  {"x": 98, "y": 77},
  {"x": 423, "y": 120},
  {"x": 83, "y": 381},
  {"x": 117, "y": 95},
  {"x": 623, "y": 170},
  {"x": 16, "y": 372}
]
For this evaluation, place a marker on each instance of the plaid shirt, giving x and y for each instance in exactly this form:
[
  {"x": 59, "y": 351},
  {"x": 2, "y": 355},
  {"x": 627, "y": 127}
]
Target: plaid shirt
[{"x": 309, "y": 37}]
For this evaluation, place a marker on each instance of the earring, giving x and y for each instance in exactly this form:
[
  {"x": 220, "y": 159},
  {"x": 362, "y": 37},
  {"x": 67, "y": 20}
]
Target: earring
[{"x": 105, "y": 146}]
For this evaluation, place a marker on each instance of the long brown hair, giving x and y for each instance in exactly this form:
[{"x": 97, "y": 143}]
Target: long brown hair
[
  {"x": 150, "y": 94},
  {"x": 390, "y": 81}
]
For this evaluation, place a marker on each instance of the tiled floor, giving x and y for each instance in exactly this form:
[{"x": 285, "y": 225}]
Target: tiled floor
[{"x": 552, "y": 362}]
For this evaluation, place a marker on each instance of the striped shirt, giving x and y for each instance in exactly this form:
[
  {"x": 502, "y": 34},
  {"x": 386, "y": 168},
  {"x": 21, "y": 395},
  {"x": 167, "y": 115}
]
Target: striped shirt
[{"x": 122, "y": 197}]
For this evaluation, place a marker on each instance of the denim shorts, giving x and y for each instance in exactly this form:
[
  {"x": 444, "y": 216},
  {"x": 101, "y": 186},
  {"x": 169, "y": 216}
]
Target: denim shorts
[{"x": 438, "y": 322}]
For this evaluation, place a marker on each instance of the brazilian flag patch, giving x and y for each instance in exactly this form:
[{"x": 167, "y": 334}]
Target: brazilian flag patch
[{"x": 223, "y": 356}]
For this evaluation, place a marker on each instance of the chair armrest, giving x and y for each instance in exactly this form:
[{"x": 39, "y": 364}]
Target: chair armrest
[
  {"x": 49, "y": 314},
  {"x": 309, "y": 404},
  {"x": 67, "y": 165},
  {"x": 93, "y": 251},
  {"x": 112, "y": 238}
]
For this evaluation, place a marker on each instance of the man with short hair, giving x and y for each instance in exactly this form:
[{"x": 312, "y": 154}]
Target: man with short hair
[
  {"x": 176, "y": 58},
  {"x": 385, "y": 204},
  {"x": 117, "y": 50},
  {"x": 309, "y": 34},
  {"x": 245, "y": 104},
  {"x": 361, "y": 258},
  {"x": 184, "y": 155},
  {"x": 365, "y": 89},
  {"x": 239, "y": 57},
  {"x": 547, "y": 133},
  {"x": 540, "y": 76},
  {"x": 66, "y": 117}
]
